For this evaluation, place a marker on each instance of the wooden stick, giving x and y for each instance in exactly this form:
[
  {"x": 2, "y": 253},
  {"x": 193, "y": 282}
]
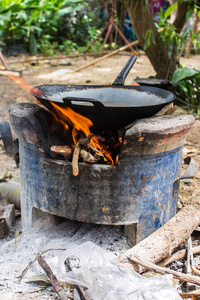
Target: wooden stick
[
  {"x": 75, "y": 157},
  {"x": 36, "y": 290},
  {"x": 3, "y": 60},
  {"x": 109, "y": 54},
  {"x": 16, "y": 73},
  {"x": 77, "y": 149},
  {"x": 158, "y": 269},
  {"x": 32, "y": 262},
  {"x": 105, "y": 56},
  {"x": 161, "y": 243},
  {"x": 79, "y": 288},
  {"x": 57, "y": 57},
  {"x": 177, "y": 256},
  {"x": 190, "y": 294},
  {"x": 54, "y": 281}
]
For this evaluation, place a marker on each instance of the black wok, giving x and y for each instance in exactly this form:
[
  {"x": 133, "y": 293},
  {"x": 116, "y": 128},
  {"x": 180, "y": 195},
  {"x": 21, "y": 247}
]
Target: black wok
[{"x": 109, "y": 107}]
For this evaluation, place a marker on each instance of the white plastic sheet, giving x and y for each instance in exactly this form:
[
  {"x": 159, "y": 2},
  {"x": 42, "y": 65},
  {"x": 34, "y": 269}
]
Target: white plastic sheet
[{"x": 107, "y": 279}]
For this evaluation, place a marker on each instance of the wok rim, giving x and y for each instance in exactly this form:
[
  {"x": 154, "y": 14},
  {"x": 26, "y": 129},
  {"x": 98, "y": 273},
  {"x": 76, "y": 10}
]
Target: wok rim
[{"x": 143, "y": 89}]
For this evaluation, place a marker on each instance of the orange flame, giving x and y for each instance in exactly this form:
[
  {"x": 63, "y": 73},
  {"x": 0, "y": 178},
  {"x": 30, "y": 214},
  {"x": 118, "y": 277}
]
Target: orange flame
[
  {"x": 102, "y": 148},
  {"x": 66, "y": 116},
  {"x": 24, "y": 85},
  {"x": 80, "y": 123},
  {"x": 77, "y": 121}
]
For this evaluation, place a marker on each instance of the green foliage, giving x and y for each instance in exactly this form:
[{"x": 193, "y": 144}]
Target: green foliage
[
  {"x": 186, "y": 83},
  {"x": 46, "y": 47},
  {"x": 26, "y": 21},
  {"x": 193, "y": 4},
  {"x": 148, "y": 37},
  {"x": 170, "y": 10},
  {"x": 32, "y": 44},
  {"x": 171, "y": 38},
  {"x": 168, "y": 33}
]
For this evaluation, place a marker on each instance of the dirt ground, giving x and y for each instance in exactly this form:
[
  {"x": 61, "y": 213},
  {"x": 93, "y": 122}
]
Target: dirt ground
[{"x": 57, "y": 72}]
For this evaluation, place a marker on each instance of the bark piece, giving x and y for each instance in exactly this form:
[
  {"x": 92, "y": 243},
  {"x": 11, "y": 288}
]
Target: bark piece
[
  {"x": 7, "y": 216},
  {"x": 177, "y": 256},
  {"x": 166, "y": 239}
]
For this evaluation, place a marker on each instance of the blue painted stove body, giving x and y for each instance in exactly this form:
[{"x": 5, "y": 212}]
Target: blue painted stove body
[{"x": 142, "y": 189}]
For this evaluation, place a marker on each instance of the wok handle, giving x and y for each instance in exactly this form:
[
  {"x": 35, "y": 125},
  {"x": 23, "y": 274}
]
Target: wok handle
[
  {"x": 97, "y": 104},
  {"x": 124, "y": 72}
]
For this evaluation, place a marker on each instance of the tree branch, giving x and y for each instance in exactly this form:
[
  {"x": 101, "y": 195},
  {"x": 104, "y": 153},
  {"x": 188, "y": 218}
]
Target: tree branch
[{"x": 180, "y": 19}]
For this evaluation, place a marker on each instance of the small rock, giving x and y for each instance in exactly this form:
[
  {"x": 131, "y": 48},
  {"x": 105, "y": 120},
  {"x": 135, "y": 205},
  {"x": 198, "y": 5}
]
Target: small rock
[
  {"x": 187, "y": 183},
  {"x": 65, "y": 62},
  {"x": 54, "y": 63}
]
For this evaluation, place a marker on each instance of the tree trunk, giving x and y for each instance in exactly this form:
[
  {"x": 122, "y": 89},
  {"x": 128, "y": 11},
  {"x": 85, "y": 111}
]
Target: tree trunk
[
  {"x": 189, "y": 41},
  {"x": 180, "y": 19},
  {"x": 157, "y": 53},
  {"x": 120, "y": 11}
]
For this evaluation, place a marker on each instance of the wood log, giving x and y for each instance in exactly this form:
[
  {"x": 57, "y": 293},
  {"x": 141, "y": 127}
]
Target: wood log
[{"x": 166, "y": 239}]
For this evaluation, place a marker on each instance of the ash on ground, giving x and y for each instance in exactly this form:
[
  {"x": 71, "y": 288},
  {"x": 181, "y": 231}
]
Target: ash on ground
[{"x": 49, "y": 232}]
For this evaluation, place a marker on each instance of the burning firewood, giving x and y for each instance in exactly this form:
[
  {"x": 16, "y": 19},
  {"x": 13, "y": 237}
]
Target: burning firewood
[
  {"x": 65, "y": 151},
  {"x": 87, "y": 156}
]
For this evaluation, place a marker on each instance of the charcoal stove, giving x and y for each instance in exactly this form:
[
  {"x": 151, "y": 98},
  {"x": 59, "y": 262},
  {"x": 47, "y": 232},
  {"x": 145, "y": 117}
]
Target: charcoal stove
[{"x": 139, "y": 192}]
